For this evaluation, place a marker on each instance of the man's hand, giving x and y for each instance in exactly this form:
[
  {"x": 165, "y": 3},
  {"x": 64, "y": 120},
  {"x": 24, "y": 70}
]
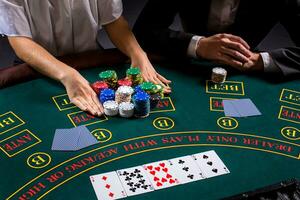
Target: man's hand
[
  {"x": 149, "y": 73},
  {"x": 224, "y": 48},
  {"x": 81, "y": 94},
  {"x": 255, "y": 64}
]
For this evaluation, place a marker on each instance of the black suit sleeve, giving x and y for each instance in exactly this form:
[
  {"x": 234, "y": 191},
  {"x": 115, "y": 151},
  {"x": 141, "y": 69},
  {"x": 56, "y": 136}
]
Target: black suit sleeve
[
  {"x": 153, "y": 32},
  {"x": 288, "y": 59}
]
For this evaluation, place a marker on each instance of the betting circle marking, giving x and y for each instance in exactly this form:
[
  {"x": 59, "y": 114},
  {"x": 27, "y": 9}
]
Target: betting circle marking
[
  {"x": 102, "y": 135},
  {"x": 288, "y": 131},
  {"x": 39, "y": 160},
  {"x": 163, "y": 123},
  {"x": 232, "y": 123}
]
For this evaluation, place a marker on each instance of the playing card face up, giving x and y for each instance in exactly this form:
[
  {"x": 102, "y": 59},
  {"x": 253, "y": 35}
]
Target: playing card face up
[
  {"x": 108, "y": 186},
  {"x": 160, "y": 175},
  {"x": 210, "y": 164},
  {"x": 135, "y": 181},
  {"x": 186, "y": 169}
]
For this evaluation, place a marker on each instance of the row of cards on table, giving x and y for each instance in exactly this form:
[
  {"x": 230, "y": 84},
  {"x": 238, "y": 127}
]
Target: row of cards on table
[{"x": 158, "y": 175}]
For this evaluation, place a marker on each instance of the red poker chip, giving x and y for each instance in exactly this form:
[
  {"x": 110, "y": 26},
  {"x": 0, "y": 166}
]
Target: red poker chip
[
  {"x": 98, "y": 86},
  {"x": 124, "y": 82}
]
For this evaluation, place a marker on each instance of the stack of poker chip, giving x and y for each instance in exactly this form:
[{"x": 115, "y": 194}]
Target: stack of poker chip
[
  {"x": 134, "y": 74},
  {"x": 98, "y": 86},
  {"x": 110, "y": 77},
  {"x": 141, "y": 101},
  {"x": 126, "y": 109},
  {"x": 107, "y": 95},
  {"x": 148, "y": 87},
  {"x": 218, "y": 75},
  {"x": 124, "y": 82},
  {"x": 123, "y": 94},
  {"x": 111, "y": 108}
]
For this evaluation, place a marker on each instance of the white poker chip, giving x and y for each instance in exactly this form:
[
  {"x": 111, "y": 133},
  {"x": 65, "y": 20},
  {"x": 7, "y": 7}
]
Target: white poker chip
[
  {"x": 123, "y": 94},
  {"x": 126, "y": 109},
  {"x": 111, "y": 108},
  {"x": 125, "y": 90},
  {"x": 218, "y": 75}
]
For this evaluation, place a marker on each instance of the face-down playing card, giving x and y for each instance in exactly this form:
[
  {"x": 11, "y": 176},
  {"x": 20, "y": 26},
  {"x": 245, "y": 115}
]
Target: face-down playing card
[
  {"x": 86, "y": 138},
  {"x": 186, "y": 169},
  {"x": 65, "y": 140},
  {"x": 108, "y": 186},
  {"x": 210, "y": 164},
  {"x": 135, "y": 181},
  {"x": 160, "y": 174}
]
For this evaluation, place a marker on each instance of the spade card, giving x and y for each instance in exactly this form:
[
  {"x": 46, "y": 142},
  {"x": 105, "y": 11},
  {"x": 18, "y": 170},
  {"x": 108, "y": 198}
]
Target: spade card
[
  {"x": 135, "y": 181},
  {"x": 210, "y": 164},
  {"x": 186, "y": 169},
  {"x": 108, "y": 186},
  {"x": 160, "y": 175}
]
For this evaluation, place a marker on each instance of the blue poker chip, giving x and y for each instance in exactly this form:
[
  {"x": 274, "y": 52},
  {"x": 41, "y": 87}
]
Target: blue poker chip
[
  {"x": 107, "y": 95},
  {"x": 138, "y": 89},
  {"x": 141, "y": 96},
  {"x": 107, "y": 92}
]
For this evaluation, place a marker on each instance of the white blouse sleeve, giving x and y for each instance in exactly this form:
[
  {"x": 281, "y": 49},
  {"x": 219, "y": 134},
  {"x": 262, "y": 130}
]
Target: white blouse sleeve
[
  {"x": 109, "y": 10},
  {"x": 13, "y": 20}
]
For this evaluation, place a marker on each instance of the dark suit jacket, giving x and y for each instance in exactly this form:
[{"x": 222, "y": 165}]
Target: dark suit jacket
[{"x": 254, "y": 19}]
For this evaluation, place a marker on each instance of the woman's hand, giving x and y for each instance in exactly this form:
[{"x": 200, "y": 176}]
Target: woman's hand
[
  {"x": 81, "y": 94},
  {"x": 149, "y": 73}
]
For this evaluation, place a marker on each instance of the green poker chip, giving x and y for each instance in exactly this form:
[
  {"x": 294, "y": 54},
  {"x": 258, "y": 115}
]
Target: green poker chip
[
  {"x": 147, "y": 86},
  {"x": 133, "y": 71}
]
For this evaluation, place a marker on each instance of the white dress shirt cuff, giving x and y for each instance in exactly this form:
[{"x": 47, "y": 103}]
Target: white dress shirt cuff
[
  {"x": 269, "y": 65},
  {"x": 191, "y": 51}
]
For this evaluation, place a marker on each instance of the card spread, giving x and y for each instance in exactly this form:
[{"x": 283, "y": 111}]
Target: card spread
[
  {"x": 158, "y": 175},
  {"x": 240, "y": 108}
]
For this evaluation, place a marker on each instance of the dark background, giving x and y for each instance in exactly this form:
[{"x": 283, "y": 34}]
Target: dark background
[{"x": 132, "y": 9}]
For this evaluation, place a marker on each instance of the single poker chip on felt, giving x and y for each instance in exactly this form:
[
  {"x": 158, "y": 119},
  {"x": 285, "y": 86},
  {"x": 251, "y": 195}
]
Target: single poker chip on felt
[{"x": 218, "y": 75}]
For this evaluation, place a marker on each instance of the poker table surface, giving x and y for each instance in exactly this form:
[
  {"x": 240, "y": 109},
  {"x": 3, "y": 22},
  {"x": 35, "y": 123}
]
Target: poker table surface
[{"x": 258, "y": 150}]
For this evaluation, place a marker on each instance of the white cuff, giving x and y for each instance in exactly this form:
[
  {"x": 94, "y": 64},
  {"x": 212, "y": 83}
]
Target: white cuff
[
  {"x": 269, "y": 65},
  {"x": 192, "y": 48}
]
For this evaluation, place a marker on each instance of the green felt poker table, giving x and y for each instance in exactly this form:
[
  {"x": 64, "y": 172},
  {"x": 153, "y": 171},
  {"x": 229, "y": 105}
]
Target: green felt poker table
[{"x": 258, "y": 151}]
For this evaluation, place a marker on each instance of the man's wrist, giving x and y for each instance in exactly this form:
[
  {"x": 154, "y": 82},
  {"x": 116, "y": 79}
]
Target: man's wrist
[
  {"x": 269, "y": 65},
  {"x": 193, "y": 45}
]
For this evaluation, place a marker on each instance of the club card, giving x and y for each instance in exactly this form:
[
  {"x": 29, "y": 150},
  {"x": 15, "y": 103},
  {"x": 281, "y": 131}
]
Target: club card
[
  {"x": 160, "y": 175},
  {"x": 186, "y": 169},
  {"x": 108, "y": 186},
  {"x": 210, "y": 164},
  {"x": 135, "y": 181}
]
